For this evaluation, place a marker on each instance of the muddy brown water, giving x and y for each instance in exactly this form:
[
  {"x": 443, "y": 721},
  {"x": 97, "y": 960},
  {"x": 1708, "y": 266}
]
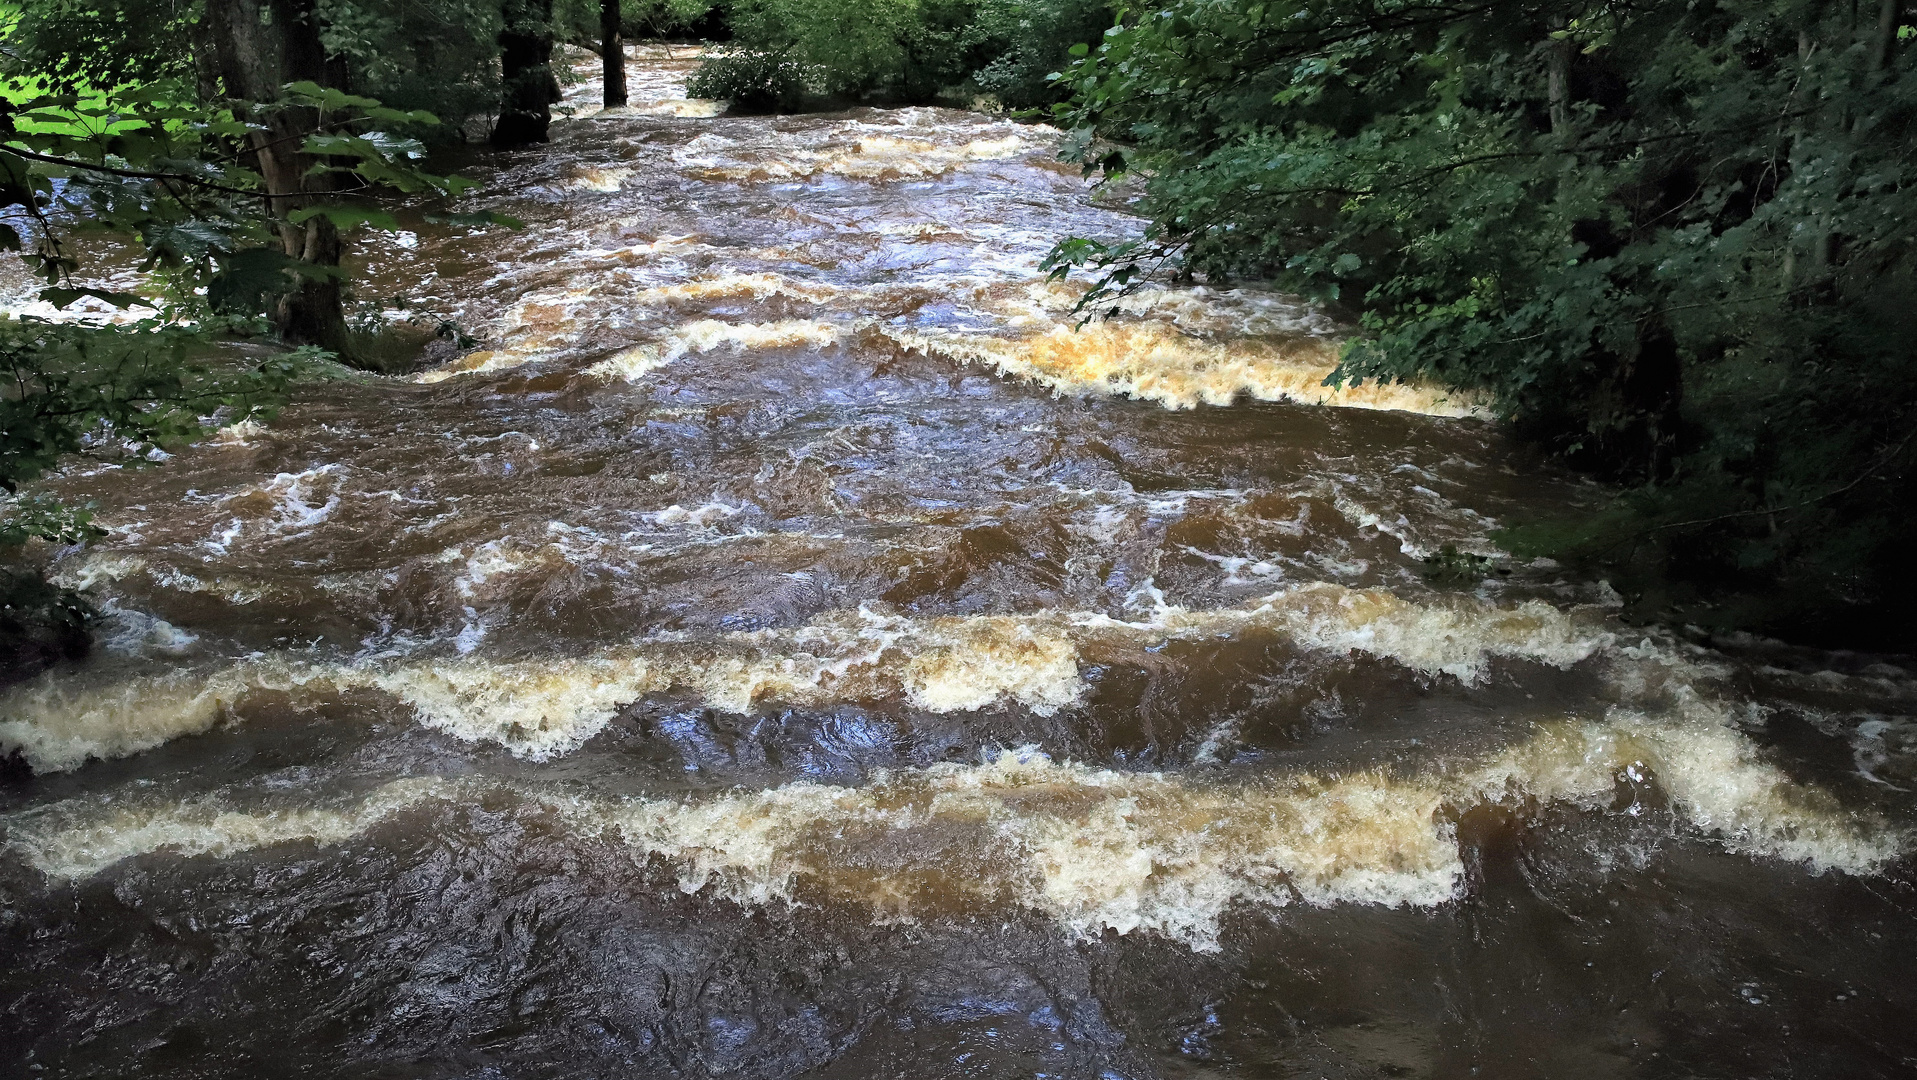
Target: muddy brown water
[{"x": 787, "y": 648}]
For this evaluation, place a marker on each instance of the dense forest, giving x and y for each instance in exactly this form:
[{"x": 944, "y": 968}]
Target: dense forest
[{"x": 1669, "y": 243}]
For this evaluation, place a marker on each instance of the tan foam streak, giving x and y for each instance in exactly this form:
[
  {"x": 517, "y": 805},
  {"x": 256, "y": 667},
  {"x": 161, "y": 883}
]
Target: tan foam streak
[
  {"x": 1094, "y": 849},
  {"x": 80, "y": 839},
  {"x": 58, "y": 724},
  {"x": 552, "y": 706},
  {"x": 1155, "y": 362}
]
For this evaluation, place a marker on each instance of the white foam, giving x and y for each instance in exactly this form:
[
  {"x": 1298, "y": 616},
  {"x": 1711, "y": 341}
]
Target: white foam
[
  {"x": 129, "y": 633},
  {"x": 706, "y": 335},
  {"x": 1096, "y": 850},
  {"x": 242, "y": 433},
  {"x": 873, "y": 157},
  {"x": 304, "y": 499},
  {"x": 542, "y": 708},
  {"x": 699, "y": 517}
]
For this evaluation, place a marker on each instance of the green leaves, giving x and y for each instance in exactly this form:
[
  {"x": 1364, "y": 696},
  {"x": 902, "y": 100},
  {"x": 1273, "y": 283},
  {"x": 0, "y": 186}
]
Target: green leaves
[
  {"x": 328, "y": 99},
  {"x": 1693, "y": 281},
  {"x": 372, "y": 146},
  {"x": 61, "y": 297},
  {"x": 38, "y": 516},
  {"x": 146, "y": 162},
  {"x": 379, "y": 158},
  {"x": 147, "y": 385}
]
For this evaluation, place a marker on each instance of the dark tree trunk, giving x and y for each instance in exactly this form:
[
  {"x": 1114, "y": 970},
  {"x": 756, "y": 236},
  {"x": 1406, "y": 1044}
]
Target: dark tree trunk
[
  {"x": 612, "y": 50},
  {"x": 1886, "y": 35},
  {"x": 1558, "y": 87},
  {"x": 259, "y": 46},
  {"x": 1651, "y": 392},
  {"x": 525, "y": 59},
  {"x": 206, "y": 56}
]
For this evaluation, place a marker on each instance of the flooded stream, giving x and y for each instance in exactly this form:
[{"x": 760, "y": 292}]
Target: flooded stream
[{"x": 787, "y": 647}]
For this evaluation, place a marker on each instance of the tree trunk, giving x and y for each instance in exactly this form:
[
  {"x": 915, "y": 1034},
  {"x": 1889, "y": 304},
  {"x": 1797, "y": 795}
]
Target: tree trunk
[
  {"x": 1558, "y": 88},
  {"x": 525, "y": 58},
  {"x": 259, "y": 46},
  {"x": 206, "y": 56},
  {"x": 1886, "y": 34},
  {"x": 612, "y": 50},
  {"x": 1651, "y": 386}
]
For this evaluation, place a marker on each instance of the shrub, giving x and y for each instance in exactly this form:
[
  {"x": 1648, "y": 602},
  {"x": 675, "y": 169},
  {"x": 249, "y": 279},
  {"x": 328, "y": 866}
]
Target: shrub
[
  {"x": 910, "y": 50},
  {"x": 1028, "y": 41},
  {"x": 752, "y": 81}
]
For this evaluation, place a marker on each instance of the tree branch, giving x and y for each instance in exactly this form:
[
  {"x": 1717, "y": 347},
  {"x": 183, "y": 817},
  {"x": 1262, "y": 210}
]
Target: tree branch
[{"x": 137, "y": 174}]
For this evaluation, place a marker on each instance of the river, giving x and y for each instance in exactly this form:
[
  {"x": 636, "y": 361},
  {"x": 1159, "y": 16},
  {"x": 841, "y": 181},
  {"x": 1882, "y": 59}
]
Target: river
[{"x": 788, "y": 647}]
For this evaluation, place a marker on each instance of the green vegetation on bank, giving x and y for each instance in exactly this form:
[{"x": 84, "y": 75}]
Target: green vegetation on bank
[
  {"x": 1673, "y": 242},
  {"x": 785, "y": 52}
]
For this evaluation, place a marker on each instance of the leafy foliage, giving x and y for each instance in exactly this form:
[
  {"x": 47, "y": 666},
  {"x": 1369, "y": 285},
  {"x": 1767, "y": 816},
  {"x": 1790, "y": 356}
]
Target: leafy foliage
[
  {"x": 1028, "y": 43},
  {"x": 143, "y": 162},
  {"x": 439, "y": 56},
  {"x": 64, "y": 387},
  {"x": 752, "y": 81},
  {"x": 76, "y": 44},
  {"x": 1672, "y": 241},
  {"x": 118, "y": 120},
  {"x": 153, "y": 163},
  {"x": 902, "y": 50},
  {"x": 577, "y": 21}
]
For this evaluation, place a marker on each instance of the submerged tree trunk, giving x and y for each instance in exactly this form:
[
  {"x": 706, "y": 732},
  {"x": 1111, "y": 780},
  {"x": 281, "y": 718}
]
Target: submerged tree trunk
[
  {"x": 259, "y": 46},
  {"x": 525, "y": 59},
  {"x": 612, "y": 51}
]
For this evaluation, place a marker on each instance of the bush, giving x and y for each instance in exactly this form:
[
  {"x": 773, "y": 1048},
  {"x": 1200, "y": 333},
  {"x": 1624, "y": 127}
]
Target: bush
[
  {"x": 908, "y": 50},
  {"x": 437, "y": 55},
  {"x": 1029, "y": 41},
  {"x": 752, "y": 81},
  {"x": 577, "y": 21}
]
